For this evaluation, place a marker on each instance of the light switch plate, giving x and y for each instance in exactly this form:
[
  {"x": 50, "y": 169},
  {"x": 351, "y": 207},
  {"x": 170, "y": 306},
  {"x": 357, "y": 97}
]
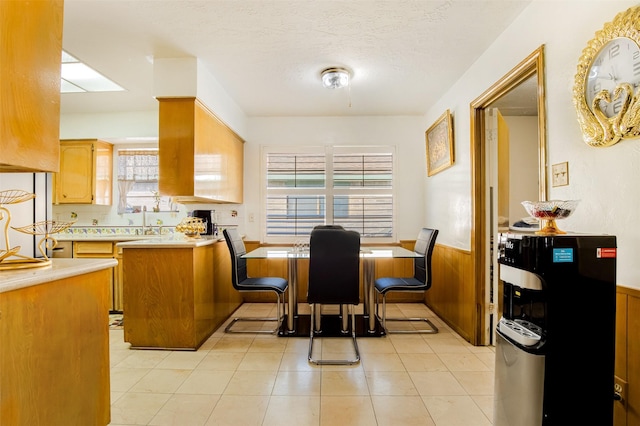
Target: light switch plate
[{"x": 560, "y": 174}]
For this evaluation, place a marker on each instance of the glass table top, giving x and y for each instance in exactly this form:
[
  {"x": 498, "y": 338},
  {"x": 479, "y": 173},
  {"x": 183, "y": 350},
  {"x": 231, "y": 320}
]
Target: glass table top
[{"x": 378, "y": 252}]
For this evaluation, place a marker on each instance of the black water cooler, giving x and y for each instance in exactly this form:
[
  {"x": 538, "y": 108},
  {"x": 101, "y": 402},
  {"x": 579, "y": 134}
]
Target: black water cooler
[{"x": 555, "y": 342}]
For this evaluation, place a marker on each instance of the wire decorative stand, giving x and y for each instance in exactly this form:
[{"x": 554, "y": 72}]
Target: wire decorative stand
[
  {"x": 191, "y": 227},
  {"x": 9, "y": 256}
]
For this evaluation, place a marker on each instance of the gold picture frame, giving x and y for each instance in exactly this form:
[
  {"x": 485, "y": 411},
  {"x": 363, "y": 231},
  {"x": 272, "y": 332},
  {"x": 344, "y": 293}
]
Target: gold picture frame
[{"x": 439, "y": 141}]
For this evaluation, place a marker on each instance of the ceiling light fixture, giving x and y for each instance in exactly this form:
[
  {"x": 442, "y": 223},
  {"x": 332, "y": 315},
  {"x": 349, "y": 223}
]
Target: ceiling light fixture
[
  {"x": 335, "y": 78},
  {"x": 78, "y": 77}
]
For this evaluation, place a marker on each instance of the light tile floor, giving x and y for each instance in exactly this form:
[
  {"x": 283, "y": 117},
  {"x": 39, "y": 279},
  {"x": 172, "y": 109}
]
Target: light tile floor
[{"x": 256, "y": 379}]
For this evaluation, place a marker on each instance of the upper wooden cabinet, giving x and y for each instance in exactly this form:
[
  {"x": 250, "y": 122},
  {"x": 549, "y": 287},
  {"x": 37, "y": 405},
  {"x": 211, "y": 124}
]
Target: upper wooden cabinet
[
  {"x": 31, "y": 34},
  {"x": 86, "y": 169},
  {"x": 200, "y": 158}
]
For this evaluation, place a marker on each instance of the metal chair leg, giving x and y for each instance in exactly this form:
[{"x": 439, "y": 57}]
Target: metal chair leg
[
  {"x": 278, "y": 319},
  {"x": 344, "y": 317},
  {"x": 318, "y": 361},
  {"x": 318, "y": 317},
  {"x": 431, "y": 330}
]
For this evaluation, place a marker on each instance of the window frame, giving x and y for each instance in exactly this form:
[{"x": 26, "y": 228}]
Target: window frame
[
  {"x": 328, "y": 190},
  {"x": 153, "y": 199}
]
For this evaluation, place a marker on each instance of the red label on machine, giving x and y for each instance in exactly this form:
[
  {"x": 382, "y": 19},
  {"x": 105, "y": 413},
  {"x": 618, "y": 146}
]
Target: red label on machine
[{"x": 602, "y": 253}]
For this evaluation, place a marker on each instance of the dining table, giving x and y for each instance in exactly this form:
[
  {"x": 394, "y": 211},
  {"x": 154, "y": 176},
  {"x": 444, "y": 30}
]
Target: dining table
[{"x": 368, "y": 255}]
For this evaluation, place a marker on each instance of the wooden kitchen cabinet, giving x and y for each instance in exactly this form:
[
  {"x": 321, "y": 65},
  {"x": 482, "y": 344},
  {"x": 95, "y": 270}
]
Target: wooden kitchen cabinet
[
  {"x": 98, "y": 250},
  {"x": 86, "y": 169},
  {"x": 176, "y": 292},
  {"x": 31, "y": 34},
  {"x": 55, "y": 346},
  {"x": 117, "y": 282},
  {"x": 201, "y": 159}
]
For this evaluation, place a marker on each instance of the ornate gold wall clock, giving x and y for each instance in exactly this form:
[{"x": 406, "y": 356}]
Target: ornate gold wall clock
[{"x": 606, "y": 89}]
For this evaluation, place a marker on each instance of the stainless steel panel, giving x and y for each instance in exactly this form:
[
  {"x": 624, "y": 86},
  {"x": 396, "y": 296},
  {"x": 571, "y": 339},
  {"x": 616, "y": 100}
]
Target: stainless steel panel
[
  {"x": 519, "y": 386},
  {"x": 520, "y": 277}
]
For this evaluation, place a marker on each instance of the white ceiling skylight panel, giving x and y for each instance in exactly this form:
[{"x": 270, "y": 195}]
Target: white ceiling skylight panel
[{"x": 78, "y": 77}]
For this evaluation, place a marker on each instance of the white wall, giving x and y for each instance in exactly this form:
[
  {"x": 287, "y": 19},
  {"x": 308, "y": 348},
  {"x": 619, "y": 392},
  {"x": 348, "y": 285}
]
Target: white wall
[
  {"x": 604, "y": 179},
  {"x": 523, "y": 164},
  {"x": 141, "y": 125},
  {"x": 405, "y": 133},
  {"x": 190, "y": 77}
]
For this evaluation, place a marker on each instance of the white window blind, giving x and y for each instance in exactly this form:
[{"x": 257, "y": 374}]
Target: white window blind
[
  {"x": 348, "y": 186},
  {"x": 295, "y": 193}
]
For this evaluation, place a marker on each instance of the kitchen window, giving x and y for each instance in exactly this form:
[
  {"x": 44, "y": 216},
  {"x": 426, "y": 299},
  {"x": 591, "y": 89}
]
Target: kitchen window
[
  {"x": 138, "y": 180},
  {"x": 348, "y": 186}
]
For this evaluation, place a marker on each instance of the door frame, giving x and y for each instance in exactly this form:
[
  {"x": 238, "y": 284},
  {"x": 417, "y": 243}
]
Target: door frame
[{"x": 531, "y": 65}]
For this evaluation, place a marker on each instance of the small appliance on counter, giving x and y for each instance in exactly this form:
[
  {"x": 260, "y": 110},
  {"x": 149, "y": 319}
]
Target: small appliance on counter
[{"x": 209, "y": 219}]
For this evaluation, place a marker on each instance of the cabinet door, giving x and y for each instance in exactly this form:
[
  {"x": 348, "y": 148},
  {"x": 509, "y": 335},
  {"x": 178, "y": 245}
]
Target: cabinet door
[
  {"x": 117, "y": 282},
  {"x": 99, "y": 249},
  {"x": 74, "y": 183},
  {"x": 31, "y": 34},
  {"x": 235, "y": 168},
  {"x": 218, "y": 152}
]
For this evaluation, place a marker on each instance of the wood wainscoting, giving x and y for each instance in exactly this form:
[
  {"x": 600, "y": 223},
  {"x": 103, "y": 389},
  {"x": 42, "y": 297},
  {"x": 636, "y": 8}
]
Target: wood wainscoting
[
  {"x": 452, "y": 293},
  {"x": 278, "y": 268},
  {"x": 451, "y": 296},
  {"x": 627, "y": 411}
]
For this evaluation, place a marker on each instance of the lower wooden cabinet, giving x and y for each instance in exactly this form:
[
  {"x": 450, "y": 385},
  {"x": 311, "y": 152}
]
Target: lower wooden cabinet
[
  {"x": 54, "y": 358},
  {"x": 118, "y": 279},
  {"x": 175, "y": 298},
  {"x": 104, "y": 249}
]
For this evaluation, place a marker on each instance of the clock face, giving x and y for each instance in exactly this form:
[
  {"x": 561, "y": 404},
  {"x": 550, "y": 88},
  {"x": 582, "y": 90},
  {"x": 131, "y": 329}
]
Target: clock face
[{"x": 617, "y": 62}]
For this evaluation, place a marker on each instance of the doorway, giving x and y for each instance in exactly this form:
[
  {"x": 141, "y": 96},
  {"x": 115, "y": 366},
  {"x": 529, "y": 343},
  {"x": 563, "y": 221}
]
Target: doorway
[{"x": 493, "y": 208}]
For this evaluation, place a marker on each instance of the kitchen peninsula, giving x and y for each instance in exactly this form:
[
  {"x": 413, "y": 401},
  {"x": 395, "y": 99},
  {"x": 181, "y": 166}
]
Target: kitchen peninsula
[
  {"x": 176, "y": 291},
  {"x": 54, "y": 340}
]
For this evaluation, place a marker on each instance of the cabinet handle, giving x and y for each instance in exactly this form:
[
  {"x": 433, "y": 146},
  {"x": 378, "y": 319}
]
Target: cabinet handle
[{"x": 64, "y": 195}]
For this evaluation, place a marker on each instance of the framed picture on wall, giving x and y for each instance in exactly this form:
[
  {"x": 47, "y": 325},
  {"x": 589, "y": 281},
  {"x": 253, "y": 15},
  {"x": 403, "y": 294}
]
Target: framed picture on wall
[{"x": 439, "y": 138}]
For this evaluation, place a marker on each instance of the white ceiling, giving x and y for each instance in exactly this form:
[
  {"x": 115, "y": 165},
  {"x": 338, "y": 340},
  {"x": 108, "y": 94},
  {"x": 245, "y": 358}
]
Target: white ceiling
[{"x": 268, "y": 54}]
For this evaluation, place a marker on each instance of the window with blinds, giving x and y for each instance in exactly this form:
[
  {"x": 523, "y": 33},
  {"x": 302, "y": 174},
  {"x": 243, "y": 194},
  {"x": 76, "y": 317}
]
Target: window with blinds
[{"x": 347, "y": 186}]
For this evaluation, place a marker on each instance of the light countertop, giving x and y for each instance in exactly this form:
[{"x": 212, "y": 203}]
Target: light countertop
[
  {"x": 173, "y": 241},
  {"x": 59, "y": 269},
  {"x": 98, "y": 237}
]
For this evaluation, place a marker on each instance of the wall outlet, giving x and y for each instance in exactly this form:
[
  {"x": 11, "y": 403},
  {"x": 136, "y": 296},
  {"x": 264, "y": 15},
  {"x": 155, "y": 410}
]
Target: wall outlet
[
  {"x": 620, "y": 390},
  {"x": 560, "y": 174}
]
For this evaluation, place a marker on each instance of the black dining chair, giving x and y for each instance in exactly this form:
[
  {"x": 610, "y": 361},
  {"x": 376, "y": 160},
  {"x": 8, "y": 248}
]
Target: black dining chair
[
  {"x": 419, "y": 282},
  {"x": 334, "y": 279},
  {"x": 243, "y": 283}
]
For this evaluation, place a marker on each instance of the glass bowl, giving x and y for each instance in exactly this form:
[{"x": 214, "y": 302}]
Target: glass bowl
[{"x": 548, "y": 212}]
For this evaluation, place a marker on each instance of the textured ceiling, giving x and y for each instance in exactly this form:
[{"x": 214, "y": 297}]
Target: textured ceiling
[{"x": 268, "y": 54}]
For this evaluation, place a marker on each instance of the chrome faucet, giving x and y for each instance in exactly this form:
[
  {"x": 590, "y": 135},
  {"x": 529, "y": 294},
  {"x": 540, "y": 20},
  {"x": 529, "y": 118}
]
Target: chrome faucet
[{"x": 144, "y": 220}]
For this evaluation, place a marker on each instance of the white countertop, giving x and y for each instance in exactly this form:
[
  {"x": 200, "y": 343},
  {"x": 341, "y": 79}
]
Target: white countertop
[
  {"x": 173, "y": 241},
  {"x": 59, "y": 269},
  {"x": 98, "y": 237}
]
